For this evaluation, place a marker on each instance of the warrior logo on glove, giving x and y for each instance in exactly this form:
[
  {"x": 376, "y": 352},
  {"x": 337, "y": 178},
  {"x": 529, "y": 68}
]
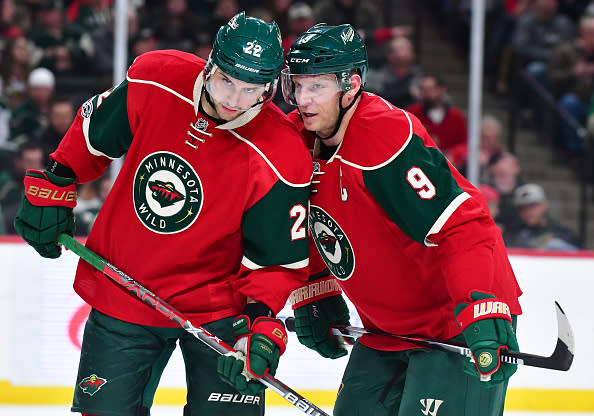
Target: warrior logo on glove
[
  {"x": 332, "y": 243},
  {"x": 167, "y": 193}
]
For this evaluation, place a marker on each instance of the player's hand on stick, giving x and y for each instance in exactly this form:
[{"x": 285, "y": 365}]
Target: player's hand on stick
[
  {"x": 314, "y": 322},
  {"x": 46, "y": 211},
  {"x": 486, "y": 326},
  {"x": 258, "y": 346}
]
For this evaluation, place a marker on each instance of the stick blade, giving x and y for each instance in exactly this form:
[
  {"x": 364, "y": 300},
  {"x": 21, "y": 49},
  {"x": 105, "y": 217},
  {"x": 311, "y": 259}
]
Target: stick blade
[{"x": 565, "y": 349}]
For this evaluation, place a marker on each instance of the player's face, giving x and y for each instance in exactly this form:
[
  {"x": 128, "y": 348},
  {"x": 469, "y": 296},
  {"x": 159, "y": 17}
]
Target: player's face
[
  {"x": 231, "y": 97},
  {"x": 317, "y": 97}
]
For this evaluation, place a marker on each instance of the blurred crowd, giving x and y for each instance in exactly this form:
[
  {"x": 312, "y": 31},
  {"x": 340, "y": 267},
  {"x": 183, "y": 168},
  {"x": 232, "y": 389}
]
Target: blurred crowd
[{"x": 56, "y": 54}]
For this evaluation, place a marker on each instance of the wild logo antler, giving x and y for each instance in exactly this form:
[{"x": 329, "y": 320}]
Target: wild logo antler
[{"x": 165, "y": 193}]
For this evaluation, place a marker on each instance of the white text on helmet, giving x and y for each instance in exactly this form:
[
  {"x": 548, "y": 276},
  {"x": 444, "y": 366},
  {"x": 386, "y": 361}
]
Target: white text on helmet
[
  {"x": 247, "y": 68},
  {"x": 299, "y": 60}
]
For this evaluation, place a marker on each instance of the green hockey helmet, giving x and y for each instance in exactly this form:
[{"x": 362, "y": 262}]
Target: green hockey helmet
[
  {"x": 324, "y": 49},
  {"x": 248, "y": 49}
]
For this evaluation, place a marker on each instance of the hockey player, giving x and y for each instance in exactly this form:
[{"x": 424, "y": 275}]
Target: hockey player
[
  {"x": 407, "y": 238},
  {"x": 208, "y": 211}
]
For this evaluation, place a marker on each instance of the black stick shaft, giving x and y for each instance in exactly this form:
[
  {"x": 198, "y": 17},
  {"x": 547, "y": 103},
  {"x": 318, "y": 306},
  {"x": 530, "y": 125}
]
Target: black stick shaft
[{"x": 561, "y": 358}]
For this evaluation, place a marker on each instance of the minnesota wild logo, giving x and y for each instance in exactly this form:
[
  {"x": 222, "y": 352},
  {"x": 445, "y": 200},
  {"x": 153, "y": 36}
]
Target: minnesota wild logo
[
  {"x": 167, "y": 193},
  {"x": 332, "y": 243},
  {"x": 91, "y": 384}
]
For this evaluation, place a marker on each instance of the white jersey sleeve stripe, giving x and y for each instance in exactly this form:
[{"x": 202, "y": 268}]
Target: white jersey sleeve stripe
[
  {"x": 274, "y": 169},
  {"x": 394, "y": 156},
  {"x": 85, "y": 128},
  {"x": 445, "y": 215},
  {"x": 156, "y": 84}
]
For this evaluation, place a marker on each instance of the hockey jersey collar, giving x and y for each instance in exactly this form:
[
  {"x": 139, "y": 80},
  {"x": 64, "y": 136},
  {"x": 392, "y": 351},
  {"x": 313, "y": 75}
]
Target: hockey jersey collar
[
  {"x": 386, "y": 130},
  {"x": 239, "y": 121}
]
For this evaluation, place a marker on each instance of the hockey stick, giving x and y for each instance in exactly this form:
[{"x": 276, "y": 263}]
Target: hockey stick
[
  {"x": 560, "y": 359},
  {"x": 148, "y": 297}
]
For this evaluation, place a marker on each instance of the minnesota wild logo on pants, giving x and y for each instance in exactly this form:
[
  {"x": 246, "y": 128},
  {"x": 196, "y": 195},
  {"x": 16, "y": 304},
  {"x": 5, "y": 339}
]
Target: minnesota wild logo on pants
[
  {"x": 167, "y": 193},
  {"x": 91, "y": 384},
  {"x": 332, "y": 243}
]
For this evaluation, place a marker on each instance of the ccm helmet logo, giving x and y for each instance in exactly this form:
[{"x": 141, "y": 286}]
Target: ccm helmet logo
[{"x": 299, "y": 60}]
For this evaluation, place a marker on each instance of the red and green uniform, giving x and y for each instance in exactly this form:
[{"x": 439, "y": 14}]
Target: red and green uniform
[
  {"x": 413, "y": 236},
  {"x": 203, "y": 225},
  {"x": 203, "y": 214},
  {"x": 408, "y": 238}
]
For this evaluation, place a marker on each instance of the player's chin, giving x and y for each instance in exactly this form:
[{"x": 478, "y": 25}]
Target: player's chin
[{"x": 311, "y": 122}]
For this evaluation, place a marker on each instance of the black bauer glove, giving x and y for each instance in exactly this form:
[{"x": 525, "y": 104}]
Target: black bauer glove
[
  {"x": 318, "y": 307},
  {"x": 46, "y": 211},
  {"x": 486, "y": 326}
]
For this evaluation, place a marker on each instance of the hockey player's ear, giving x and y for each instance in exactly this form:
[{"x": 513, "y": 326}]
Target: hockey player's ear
[
  {"x": 352, "y": 93},
  {"x": 355, "y": 84}
]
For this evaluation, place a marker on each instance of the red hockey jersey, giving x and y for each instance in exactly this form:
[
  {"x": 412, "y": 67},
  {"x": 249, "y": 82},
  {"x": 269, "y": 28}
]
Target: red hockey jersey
[
  {"x": 404, "y": 233},
  {"x": 201, "y": 214}
]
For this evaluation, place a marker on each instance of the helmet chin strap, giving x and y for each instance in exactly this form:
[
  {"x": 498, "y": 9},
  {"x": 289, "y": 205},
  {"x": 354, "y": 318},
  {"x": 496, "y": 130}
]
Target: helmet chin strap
[
  {"x": 341, "y": 112},
  {"x": 208, "y": 98}
]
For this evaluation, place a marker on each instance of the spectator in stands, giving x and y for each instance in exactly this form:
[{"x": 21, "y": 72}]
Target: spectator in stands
[
  {"x": 492, "y": 197},
  {"x": 30, "y": 155},
  {"x": 15, "y": 66},
  {"x": 491, "y": 137},
  {"x": 281, "y": 13},
  {"x": 175, "y": 25},
  {"x": 9, "y": 29},
  {"x": 61, "y": 115},
  {"x": 31, "y": 118},
  {"x": 445, "y": 122},
  {"x": 537, "y": 229},
  {"x": 299, "y": 18},
  {"x": 498, "y": 46},
  {"x": 538, "y": 31},
  {"x": 67, "y": 49},
  {"x": 95, "y": 18},
  {"x": 398, "y": 79},
  {"x": 223, "y": 11},
  {"x": 362, "y": 14},
  {"x": 144, "y": 41},
  {"x": 203, "y": 44},
  {"x": 504, "y": 175},
  {"x": 571, "y": 73},
  {"x": 490, "y": 144}
]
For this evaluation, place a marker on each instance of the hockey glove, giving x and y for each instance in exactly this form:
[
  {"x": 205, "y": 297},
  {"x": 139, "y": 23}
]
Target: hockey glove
[
  {"x": 314, "y": 319},
  {"x": 258, "y": 346},
  {"x": 46, "y": 211},
  {"x": 486, "y": 326}
]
